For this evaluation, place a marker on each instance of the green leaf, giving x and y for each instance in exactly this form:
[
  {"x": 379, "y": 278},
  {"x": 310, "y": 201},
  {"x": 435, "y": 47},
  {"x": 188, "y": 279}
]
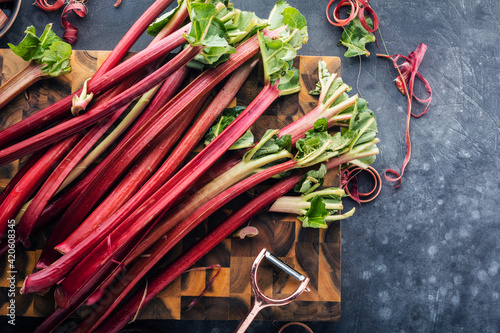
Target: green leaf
[
  {"x": 274, "y": 145},
  {"x": 245, "y": 141},
  {"x": 243, "y": 25},
  {"x": 48, "y": 37},
  {"x": 315, "y": 215},
  {"x": 363, "y": 122},
  {"x": 293, "y": 18},
  {"x": 318, "y": 145},
  {"x": 32, "y": 47},
  {"x": 57, "y": 59},
  {"x": 225, "y": 119},
  {"x": 215, "y": 48},
  {"x": 311, "y": 180},
  {"x": 276, "y": 18},
  {"x": 161, "y": 21},
  {"x": 277, "y": 61},
  {"x": 201, "y": 15},
  {"x": 323, "y": 76},
  {"x": 355, "y": 38},
  {"x": 49, "y": 50}
]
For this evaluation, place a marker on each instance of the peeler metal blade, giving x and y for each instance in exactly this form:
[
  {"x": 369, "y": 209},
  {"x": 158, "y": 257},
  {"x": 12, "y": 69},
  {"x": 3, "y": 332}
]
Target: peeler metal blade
[{"x": 261, "y": 300}]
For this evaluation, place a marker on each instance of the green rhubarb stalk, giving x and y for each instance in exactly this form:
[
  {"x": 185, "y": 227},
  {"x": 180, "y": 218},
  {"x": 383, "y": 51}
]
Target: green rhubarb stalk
[
  {"x": 48, "y": 56},
  {"x": 314, "y": 209}
]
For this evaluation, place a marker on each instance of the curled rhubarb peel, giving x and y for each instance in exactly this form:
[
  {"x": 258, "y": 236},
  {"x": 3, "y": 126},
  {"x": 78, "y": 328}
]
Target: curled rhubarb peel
[
  {"x": 45, "y": 5},
  {"x": 405, "y": 81},
  {"x": 358, "y": 8},
  {"x": 70, "y": 31},
  {"x": 350, "y": 176}
]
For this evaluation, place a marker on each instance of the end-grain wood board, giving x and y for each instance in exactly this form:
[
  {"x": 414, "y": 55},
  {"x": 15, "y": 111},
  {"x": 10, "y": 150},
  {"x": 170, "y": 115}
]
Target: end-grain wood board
[{"x": 315, "y": 253}]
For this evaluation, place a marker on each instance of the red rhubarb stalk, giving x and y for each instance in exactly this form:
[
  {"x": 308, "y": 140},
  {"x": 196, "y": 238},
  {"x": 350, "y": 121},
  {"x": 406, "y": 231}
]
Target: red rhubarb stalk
[
  {"x": 75, "y": 125},
  {"x": 183, "y": 149},
  {"x": 20, "y": 174},
  {"x": 200, "y": 85},
  {"x": 132, "y": 35},
  {"x": 225, "y": 229},
  {"x": 160, "y": 201},
  {"x": 31, "y": 180},
  {"x": 97, "y": 85}
]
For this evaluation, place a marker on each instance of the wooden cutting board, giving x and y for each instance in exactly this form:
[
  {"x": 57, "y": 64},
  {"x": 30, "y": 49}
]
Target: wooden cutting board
[{"x": 315, "y": 253}]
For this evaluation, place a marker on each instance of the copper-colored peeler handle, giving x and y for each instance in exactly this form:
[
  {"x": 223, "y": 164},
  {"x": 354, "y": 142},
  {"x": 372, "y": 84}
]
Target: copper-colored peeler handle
[{"x": 262, "y": 301}]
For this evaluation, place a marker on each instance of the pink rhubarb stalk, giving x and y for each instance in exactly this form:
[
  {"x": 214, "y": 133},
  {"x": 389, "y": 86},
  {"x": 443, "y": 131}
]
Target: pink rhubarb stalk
[
  {"x": 97, "y": 85},
  {"x": 75, "y": 125},
  {"x": 202, "y": 84},
  {"x": 225, "y": 229},
  {"x": 31, "y": 180},
  {"x": 181, "y": 152}
]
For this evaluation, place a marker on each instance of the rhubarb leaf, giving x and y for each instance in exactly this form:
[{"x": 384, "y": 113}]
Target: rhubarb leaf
[
  {"x": 273, "y": 145},
  {"x": 318, "y": 145},
  {"x": 276, "y": 17},
  {"x": 323, "y": 76},
  {"x": 311, "y": 180},
  {"x": 57, "y": 59},
  {"x": 201, "y": 15},
  {"x": 315, "y": 215},
  {"x": 216, "y": 50},
  {"x": 295, "y": 33},
  {"x": 227, "y": 116},
  {"x": 277, "y": 59},
  {"x": 243, "y": 25},
  {"x": 160, "y": 22},
  {"x": 362, "y": 123},
  {"x": 49, "y": 49},
  {"x": 355, "y": 38}
]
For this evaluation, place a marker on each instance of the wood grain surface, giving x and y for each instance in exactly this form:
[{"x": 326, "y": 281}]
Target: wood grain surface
[{"x": 315, "y": 253}]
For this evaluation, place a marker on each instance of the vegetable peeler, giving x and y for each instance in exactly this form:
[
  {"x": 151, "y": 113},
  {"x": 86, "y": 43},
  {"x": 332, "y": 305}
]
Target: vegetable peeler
[{"x": 262, "y": 301}]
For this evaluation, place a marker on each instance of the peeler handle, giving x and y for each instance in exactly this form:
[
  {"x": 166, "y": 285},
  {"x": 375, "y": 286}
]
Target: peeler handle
[{"x": 242, "y": 327}]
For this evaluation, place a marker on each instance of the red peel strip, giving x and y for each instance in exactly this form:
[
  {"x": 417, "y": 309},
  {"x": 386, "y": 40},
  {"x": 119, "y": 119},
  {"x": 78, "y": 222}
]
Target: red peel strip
[
  {"x": 44, "y": 5},
  {"x": 341, "y": 22},
  {"x": 118, "y": 3},
  {"x": 357, "y": 7},
  {"x": 362, "y": 18},
  {"x": 71, "y": 32},
  {"x": 354, "y": 193},
  {"x": 209, "y": 284},
  {"x": 407, "y": 71}
]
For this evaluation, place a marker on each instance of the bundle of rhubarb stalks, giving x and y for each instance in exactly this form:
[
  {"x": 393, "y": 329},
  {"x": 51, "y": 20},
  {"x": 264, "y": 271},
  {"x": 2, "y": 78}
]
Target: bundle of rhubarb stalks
[{"x": 114, "y": 168}]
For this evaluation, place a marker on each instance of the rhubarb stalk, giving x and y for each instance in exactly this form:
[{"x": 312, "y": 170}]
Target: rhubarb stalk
[
  {"x": 98, "y": 85},
  {"x": 29, "y": 183},
  {"x": 178, "y": 155},
  {"x": 56, "y": 271}
]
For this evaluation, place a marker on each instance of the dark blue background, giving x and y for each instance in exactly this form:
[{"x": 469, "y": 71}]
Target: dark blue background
[{"x": 424, "y": 257}]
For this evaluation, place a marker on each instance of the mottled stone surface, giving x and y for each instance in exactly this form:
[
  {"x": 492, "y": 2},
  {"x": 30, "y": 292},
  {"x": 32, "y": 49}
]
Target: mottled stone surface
[{"x": 424, "y": 257}]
